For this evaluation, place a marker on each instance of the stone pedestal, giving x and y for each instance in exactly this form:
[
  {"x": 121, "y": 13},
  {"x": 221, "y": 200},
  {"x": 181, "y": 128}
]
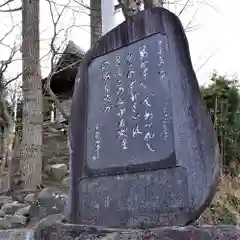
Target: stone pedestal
[{"x": 53, "y": 229}]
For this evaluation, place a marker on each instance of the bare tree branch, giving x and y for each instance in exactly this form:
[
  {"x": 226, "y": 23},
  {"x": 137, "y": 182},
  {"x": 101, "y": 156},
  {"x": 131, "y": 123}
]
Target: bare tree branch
[
  {"x": 205, "y": 62},
  {"x": 184, "y": 8},
  {"x": 6, "y": 3},
  {"x": 188, "y": 27},
  {"x": 54, "y": 50},
  {"x": 12, "y": 79},
  {"x": 82, "y": 4},
  {"x": 10, "y": 9},
  {"x": 79, "y": 8},
  {"x": 7, "y": 34}
]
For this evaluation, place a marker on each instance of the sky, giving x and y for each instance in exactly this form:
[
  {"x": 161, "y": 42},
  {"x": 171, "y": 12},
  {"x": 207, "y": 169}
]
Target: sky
[{"x": 214, "y": 38}]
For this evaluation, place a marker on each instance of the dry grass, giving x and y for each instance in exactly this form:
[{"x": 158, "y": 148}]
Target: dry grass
[{"x": 225, "y": 208}]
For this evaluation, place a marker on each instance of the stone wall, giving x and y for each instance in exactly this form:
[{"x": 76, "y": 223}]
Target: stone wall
[
  {"x": 55, "y": 156},
  {"x": 55, "y": 147}
]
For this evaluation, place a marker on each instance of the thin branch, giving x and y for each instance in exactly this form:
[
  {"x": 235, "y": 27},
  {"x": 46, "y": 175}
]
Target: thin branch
[
  {"x": 11, "y": 10},
  {"x": 12, "y": 80},
  {"x": 211, "y": 6},
  {"x": 54, "y": 53},
  {"x": 82, "y": 4},
  {"x": 190, "y": 22},
  {"x": 7, "y": 33},
  {"x": 73, "y": 8},
  {"x": 184, "y": 8},
  {"x": 6, "y": 3},
  {"x": 205, "y": 62}
]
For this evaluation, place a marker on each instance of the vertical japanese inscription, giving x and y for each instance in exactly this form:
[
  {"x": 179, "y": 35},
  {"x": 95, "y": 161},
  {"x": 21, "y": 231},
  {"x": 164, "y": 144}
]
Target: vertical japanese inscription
[
  {"x": 107, "y": 89},
  {"x": 107, "y": 107},
  {"x": 97, "y": 141},
  {"x": 148, "y": 115},
  {"x": 129, "y": 118},
  {"x": 121, "y": 108},
  {"x": 162, "y": 75},
  {"x": 131, "y": 81}
]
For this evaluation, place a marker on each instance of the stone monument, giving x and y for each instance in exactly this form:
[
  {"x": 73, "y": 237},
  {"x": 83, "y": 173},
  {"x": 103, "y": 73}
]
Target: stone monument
[{"x": 143, "y": 151}]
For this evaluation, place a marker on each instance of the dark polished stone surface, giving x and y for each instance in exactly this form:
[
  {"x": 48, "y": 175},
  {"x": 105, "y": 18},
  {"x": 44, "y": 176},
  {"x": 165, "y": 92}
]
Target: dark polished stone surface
[{"x": 143, "y": 151}]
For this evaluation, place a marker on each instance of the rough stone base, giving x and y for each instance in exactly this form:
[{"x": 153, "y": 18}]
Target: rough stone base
[
  {"x": 16, "y": 234},
  {"x": 52, "y": 228}
]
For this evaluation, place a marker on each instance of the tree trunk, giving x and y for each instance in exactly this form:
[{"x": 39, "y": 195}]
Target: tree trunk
[
  {"x": 31, "y": 162},
  {"x": 95, "y": 20},
  {"x": 130, "y": 7},
  {"x": 153, "y": 3}
]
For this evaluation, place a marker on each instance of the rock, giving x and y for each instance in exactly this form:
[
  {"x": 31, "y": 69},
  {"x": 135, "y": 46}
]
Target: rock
[
  {"x": 30, "y": 198},
  {"x": 47, "y": 169},
  {"x": 58, "y": 171},
  {"x": 16, "y": 220},
  {"x": 65, "y": 182},
  {"x": 45, "y": 224},
  {"x": 23, "y": 211},
  {"x": 48, "y": 202},
  {"x": 5, "y": 199},
  {"x": 16, "y": 234},
  {"x": 57, "y": 230},
  {"x": 19, "y": 197},
  {"x": 11, "y": 208},
  {"x": 4, "y": 223},
  {"x": 2, "y": 214}
]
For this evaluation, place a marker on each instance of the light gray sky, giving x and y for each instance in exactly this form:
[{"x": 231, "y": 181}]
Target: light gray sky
[{"x": 217, "y": 32}]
